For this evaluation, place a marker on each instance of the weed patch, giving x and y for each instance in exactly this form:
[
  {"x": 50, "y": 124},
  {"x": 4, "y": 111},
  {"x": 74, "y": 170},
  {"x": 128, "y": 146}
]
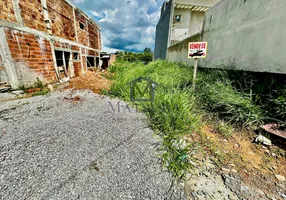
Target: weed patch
[
  {"x": 176, "y": 111},
  {"x": 172, "y": 113}
]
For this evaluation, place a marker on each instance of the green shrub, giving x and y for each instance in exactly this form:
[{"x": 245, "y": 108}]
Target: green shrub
[
  {"x": 40, "y": 93},
  {"x": 220, "y": 98},
  {"x": 277, "y": 108},
  {"x": 173, "y": 112}
]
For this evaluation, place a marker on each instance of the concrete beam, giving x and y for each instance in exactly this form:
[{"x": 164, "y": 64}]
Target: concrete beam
[
  {"x": 54, "y": 59},
  {"x": 75, "y": 25},
  {"x": 46, "y": 16},
  {"x": 42, "y": 34}
]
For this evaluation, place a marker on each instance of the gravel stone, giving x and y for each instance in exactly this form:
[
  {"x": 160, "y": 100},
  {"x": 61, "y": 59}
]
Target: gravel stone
[{"x": 54, "y": 147}]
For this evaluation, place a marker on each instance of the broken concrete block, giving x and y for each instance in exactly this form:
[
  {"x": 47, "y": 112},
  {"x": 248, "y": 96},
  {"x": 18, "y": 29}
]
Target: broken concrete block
[
  {"x": 280, "y": 178},
  {"x": 64, "y": 80},
  {"x": 224, "y": 170},
  {"x": 18, "y": 92},
  {"x": 50, "y": 87},
  {"x": 4, "y": 89},
  {"x": 264, "y": 140}
]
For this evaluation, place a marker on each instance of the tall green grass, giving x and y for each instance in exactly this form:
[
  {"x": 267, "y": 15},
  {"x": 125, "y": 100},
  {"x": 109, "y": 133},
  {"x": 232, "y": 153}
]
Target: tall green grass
[
  {"x": 172, "y": 114},
  {"x": 227, "y": 103},
  {"x": 175, "y": 110}
]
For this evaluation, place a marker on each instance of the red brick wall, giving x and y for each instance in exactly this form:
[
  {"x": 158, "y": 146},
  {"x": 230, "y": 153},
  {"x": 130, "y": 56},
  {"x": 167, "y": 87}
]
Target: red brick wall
[
  {"x": 84, "y": 61},
  {"x": 62, "y": 45},
  {"x": 77, "y": 68},
  {"x": 93, "y": 35},
  {"x": 61, "y": 14},
  {"x": 7, "y": 11},
  {"x": 31, "y": 12},
  {"x": 82, "y": 33},
  {"x": 99, "y": 38},
  {"x": 112, "y": 58},
  {"x": 92, "y": 53},
  {"x": 34, "y": 52}
]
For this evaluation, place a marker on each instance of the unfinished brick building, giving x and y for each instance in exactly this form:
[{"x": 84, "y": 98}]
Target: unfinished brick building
[{"x": 49, "y": 40}]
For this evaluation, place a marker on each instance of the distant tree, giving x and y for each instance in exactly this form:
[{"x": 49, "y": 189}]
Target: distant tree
[
  {"x": 147, "y": 50},
  {"x": 145, "y": 57}
]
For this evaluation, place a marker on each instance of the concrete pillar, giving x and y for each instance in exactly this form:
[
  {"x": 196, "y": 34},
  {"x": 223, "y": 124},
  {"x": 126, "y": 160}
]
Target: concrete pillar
[
  {"x": 17, "y": 11},
  {"x": 7, "y": 60}
]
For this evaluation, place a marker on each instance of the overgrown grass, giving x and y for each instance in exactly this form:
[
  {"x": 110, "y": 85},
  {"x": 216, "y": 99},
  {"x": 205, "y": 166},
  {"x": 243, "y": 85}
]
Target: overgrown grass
[
  {"x": 176, "y": 110},
  {"x": 227, "y": 103},
  {"x": 172, "y": 114},
  {"x": 41, "y": 93}
]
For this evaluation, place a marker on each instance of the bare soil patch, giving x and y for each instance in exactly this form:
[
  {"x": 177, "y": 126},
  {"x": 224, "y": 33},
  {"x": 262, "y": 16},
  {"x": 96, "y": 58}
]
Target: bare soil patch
[{"x": 95, "y": 82}]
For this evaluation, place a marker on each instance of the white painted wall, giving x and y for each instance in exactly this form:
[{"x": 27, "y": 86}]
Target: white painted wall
[
  {"x": 182, "y": 27},
  {"x": 179, "y": 52},
  {"x": 247, "y": 34},
  {"x": 196, "y": 22},
  {"x": 191, "y": 23}
]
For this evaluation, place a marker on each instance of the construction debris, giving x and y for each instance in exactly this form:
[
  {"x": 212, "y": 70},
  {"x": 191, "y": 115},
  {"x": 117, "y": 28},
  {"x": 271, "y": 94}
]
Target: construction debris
[
  {"x": 280, "y": 178},
  {"x": 4, "y": 89},
  {"x": 95, "y": 82},
  {"x": 262, "y": 139},
  {"x": 51, "y": 88},
  {"x": 64, "y": 80},
  {"x": 18, "y": 92},
  {"x": 274, "y": 129}
]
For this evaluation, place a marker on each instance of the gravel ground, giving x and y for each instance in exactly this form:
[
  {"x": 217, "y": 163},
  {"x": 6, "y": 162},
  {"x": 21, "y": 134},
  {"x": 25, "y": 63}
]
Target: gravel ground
[{"x": 72, "y": 145}]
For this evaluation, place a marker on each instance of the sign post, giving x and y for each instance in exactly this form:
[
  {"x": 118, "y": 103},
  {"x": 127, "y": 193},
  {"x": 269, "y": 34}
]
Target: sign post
[
  {"x": 197, "y": 50},
  {"x": 195, "y": 74}
]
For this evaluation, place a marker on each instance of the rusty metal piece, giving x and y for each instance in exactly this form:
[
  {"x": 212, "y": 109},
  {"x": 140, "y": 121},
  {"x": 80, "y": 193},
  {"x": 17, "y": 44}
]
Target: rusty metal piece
[{"x": 273, "y": 129}]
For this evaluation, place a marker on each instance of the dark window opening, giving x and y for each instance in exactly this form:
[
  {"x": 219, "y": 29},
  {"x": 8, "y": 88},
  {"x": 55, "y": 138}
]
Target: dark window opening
[
  {"x": 62, "y": 59},
  {"x": 81, "y": 25},
  {"x": 90, "y": 61},
  {"x": 75, "y": 56},
  {"x": 59, "y": 58},
  {"x": 178, "y": 18},
  {"x": 97, "y": 61}
]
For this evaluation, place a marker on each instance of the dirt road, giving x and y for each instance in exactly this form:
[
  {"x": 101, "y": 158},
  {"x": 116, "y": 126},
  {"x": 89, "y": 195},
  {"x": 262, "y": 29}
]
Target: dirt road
[{"x": 72, "y": 145}]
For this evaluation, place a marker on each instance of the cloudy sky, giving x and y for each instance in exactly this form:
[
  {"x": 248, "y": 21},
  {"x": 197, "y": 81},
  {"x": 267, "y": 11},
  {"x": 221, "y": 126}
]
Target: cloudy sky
[{"x": 125, "y": 24}]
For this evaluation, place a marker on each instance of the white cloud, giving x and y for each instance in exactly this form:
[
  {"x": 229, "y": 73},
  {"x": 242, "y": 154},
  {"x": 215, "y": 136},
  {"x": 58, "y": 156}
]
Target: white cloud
[{"x": 125, "y": 24}]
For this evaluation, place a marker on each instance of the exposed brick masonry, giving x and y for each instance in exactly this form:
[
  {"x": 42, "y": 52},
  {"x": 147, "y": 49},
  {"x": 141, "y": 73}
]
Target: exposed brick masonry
[
  {"x": 61, "y": 15},
  {"x": 31, "y": 12},
  {"x": 35, "y": 52},
  {"x": 7, "y": 11}
]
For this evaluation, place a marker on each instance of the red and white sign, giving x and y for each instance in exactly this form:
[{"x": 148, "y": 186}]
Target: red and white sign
[{"x": 198, "y": 49}]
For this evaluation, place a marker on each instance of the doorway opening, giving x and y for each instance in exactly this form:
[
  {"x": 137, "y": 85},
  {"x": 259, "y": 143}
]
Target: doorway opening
[
  {"x": 90, "y": 62},
  {"x": 63, "y": 59}
]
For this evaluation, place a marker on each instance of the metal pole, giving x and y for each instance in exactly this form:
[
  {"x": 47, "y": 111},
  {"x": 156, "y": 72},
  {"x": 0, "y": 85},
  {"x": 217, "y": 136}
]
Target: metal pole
[{"x": 195, "y": 74}]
